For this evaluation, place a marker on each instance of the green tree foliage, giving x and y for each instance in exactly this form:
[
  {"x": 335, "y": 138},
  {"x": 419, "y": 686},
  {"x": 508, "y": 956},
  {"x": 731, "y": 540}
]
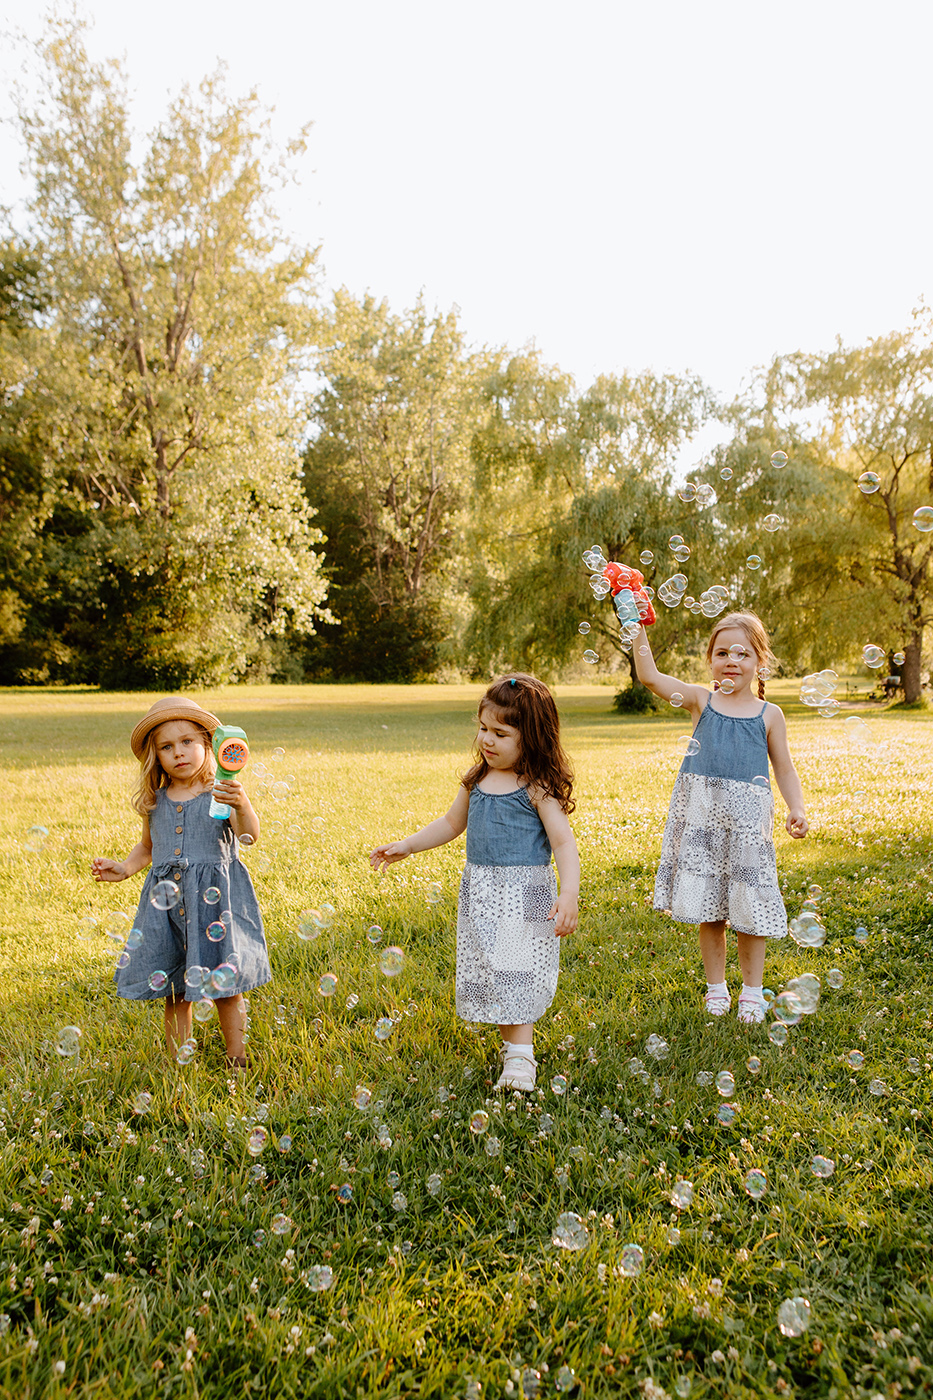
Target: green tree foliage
[
  {"x": 556, "y": 473},
  {"x": 164, "y": 399},
  {"x": 387, "y": 468}
]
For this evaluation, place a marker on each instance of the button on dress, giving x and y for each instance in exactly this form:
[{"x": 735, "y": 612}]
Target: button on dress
[
  {"x": 717, "y": 854},
  {"x": 197, "y": 853},
  {"x": 507, "y": 951}
]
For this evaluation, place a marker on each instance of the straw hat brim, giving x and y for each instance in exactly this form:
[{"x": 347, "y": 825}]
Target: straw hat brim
[{"x": 173, "y": 707}]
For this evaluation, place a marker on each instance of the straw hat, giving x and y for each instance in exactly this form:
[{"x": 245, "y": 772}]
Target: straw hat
[{"x": 172, "y": 707}]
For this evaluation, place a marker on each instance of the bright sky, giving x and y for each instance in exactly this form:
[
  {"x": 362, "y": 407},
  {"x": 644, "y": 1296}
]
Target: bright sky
[{"x": 628, "y": 185}]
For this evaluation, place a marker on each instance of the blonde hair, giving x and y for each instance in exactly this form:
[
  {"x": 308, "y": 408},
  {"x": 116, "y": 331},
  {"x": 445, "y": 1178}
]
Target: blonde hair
[
  {"x": 152, "y": 776},
  {"x": 759, "y": 641}
]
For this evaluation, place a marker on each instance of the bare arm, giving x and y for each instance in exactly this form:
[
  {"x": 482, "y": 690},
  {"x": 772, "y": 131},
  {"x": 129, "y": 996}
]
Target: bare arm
[
  {"x": 564, "y": 911},
  {"x": 694, "y": 696},
  {"x": 785, "y": 774},
  {"x": 436, "y": 833},
  {"x": 243, "y": 817},
  {"x": 103, "y": 868}
]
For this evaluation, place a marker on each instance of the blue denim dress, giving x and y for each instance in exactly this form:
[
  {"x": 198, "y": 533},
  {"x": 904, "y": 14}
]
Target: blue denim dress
[
  {"x": 507, "y": 951},
  {"x": 717, "y": 855},
  {"x": 199, "y": 855}
]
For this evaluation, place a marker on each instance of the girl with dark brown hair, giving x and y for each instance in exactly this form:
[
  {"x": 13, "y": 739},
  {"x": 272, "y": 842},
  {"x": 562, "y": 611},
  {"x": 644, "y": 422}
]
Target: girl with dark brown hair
[{"x": 513, "y": 805}]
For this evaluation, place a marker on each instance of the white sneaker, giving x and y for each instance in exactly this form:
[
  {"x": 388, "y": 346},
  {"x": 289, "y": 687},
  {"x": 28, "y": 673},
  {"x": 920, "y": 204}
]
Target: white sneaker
[
  {"x": 717, "y": 1004},
  {"x": 518, "y": 1071},
  {"x": 752, "y": 1011}
]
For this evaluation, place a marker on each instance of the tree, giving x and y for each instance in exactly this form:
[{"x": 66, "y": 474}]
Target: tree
[
  {"x": 167, "y": 399},
  {"x": 387, "y": 467}
]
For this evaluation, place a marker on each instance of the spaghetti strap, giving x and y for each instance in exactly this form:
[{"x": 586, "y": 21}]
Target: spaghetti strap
[{"x": 764, "y": 706}]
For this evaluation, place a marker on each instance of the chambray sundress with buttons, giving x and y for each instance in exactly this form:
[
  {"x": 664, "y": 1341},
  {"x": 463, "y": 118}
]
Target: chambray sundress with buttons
[
  {"x": 507, "y": 951},
  {"x": 717, "y": 854},
  {"x": 196, "y": 852}
]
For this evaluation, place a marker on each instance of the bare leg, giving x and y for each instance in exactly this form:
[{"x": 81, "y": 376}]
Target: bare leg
[
  {"x": 713, "y": 951},
  {"x": 177, "y": 1023},
  {"x": 751, "y": 958},
  {"x": 518, "y": 1035},
  {"x": 232, "y": 1013}
]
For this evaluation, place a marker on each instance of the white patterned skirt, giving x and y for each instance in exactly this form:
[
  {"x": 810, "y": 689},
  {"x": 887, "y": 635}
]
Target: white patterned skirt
[
  {"x": 717, "y": 857},
  {"x": 507, "y": 950}
]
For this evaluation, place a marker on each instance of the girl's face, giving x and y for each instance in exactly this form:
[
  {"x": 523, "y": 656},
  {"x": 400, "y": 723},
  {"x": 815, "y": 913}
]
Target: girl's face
[
  {"x": 499, "y": 743},
  {"x": 733, "y": 659},
  {"x": 180, "y": 749}
]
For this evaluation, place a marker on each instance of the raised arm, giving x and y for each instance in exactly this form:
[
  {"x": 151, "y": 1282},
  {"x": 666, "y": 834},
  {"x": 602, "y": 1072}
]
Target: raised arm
[
  {"x": 694, "y": 696},
  {"x": 437, "y": 833},
  {"x": 103, "y": 868},
  {"x": 564, "y": 911},
  {"x": 785, "y": 774}
]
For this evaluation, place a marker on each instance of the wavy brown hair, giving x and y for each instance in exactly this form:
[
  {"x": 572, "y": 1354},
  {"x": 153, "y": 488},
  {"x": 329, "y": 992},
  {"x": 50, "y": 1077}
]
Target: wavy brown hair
[
  {"x": 759, "y": 641},
  {"x": 526, "y": 704},
  {"x": 152, "y": 776}
]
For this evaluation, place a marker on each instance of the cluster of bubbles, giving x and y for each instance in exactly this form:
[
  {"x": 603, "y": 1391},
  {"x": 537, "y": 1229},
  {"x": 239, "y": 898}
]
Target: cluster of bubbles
[
  {"x": 702, "y": 495},
  {"x": 313, "y": 922},
  {"x": 817, "y": 691}
]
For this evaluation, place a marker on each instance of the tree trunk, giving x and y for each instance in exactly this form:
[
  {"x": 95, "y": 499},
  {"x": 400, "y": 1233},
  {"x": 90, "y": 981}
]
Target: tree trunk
[{"x": 910, "y": 671}]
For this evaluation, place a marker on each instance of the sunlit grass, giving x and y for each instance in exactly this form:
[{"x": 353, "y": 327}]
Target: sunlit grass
[{"x": 466, "y": 1284}]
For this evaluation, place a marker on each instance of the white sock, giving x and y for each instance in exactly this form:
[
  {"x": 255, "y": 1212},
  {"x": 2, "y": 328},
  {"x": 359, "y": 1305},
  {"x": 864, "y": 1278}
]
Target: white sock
[
  {"x": 751, "y": 993},
  {"x": 720, "y": 988},
  {"x": 513, "y": 1047}
]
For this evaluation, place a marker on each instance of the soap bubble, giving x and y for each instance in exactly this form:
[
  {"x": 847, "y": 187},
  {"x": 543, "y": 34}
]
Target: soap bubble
[
  {"x": 391, "y": 961},
  {"x": 134, "y": 939},
  {"x": 142, "y": 1103},
  {"x": 584, "y": 629},
  {"x": 559, "y": 1084},
  {"x": 793, "y": 1317},
  {"x": 760, "y": 781},
  {"x": 834, "y": 978},
  {"x": 493, "y": 1147},
  {"x": 591, "y": 657},
  {"x": 646, "y": 557},
  {"x": 706, "y": 496},
  {"x": 320, "y": 1277},
  {"x": 211, "y": 895},
  {"x": 352, "y": 1001},
  {"x": 806, "y": 988},
  {"x": 434, "y": 1184},
  {"x": 123, "y": 960},
  {"x": 688, "y": 745},
  {"x": 808, "y": 930},
  {"x": 374, "y": 934},
  {"x": 673, "y": 1236},
  {"x": 913, "y": 1065},
  {"x": 223, "y": 978},
  {"x": 566, "y": 1379},
  {"x": 727, "y": 1113},
  {"x": 756, "y": 1183},
  {"x": 165, "y": 894},
  {"x": 861, "y": 933},
  {"x": 328, "y": 984},
  {"x": 682, "y": 1194},
  {"x": 280, "y": 1224},
  {"x": 873, "y": 656},
  {"x": 704, "y": 1078},
  {"x": 868, "y": 483},
  {"x": 753, "y": 1064},
  {"x": 186, "y": 1052},
  {"x": 676, "y": 700},
  {"x": 878, "y": 1088},
  {"x": 726, "y": 474},
  {"x": 68, "y": 1041},
  {"x": 344, "y": 1194},
  {"x": 687, "y": 492},
  {"x": 570, "y": 1232},
  {"x": 923, "y": 519},
  {"x": 675, "y": 541},
  {"x": 392, "y": 1180},
  {"x": 196, "y": 976},
  {"x": 317, "y": 825},
  {"x": 772, "y": 523},
  {"x": 203, "y": 1009},
  {"x": 256, "y": 1141},
  {"x": 158, "y": 981},
  {"x": 384, "y": 1028},
  {"x": 899, "y": 658},
  {"x": 434, "y": 893},
  {"x": 36, "y": 838},
  {"x": 753, "y": 561},
  {"x": 479, "y": 1121},
  {"x": 725, "y": 1083},
  {"x": 216, "y": 933},
  {"x": 727, "y": 685},
  {"x": 779, "y": 459},
  {"x": 657, "y": 1048},
  {"x": 855, "y": 1059},
  {"x": 246, "y": 839},
  {"x": 788, "y": 1008},
  {"x": 280, "y": 790},
  {"x": 822, "y": 1167},
  {"x": 115, "y": 926},
  {"x": 682, "y": 553},
  {"x": 631, "y": 1260},
  {"x": 778, "y": 1034},
  {"x": 362, "y": 1097}
]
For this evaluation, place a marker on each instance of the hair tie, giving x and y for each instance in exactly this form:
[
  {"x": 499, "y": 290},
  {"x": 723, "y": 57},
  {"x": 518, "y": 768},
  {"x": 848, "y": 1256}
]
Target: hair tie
[{"x": 512, "y": 680}]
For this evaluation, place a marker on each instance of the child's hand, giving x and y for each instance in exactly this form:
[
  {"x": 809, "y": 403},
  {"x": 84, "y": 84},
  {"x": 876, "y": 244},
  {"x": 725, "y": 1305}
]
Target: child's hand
[
  {"x": 231, "y": 793},
  {"x": 384, "y": 856},
  {"x": 564, "y": 914},
  {"x": 797, "y": 824},
  {"x": 102, "y": 868}
]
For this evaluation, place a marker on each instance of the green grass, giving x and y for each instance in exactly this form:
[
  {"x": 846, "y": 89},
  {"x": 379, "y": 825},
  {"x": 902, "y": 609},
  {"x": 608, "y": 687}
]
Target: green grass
[{"x": 464, "y": 1286}]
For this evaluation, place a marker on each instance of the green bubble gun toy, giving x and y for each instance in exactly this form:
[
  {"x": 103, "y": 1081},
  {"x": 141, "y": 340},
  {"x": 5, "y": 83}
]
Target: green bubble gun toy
[{"x": 231, "y": 751}]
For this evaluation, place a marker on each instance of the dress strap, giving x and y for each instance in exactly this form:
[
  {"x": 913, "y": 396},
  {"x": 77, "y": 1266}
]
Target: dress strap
[{"x": 764, "y": 706}]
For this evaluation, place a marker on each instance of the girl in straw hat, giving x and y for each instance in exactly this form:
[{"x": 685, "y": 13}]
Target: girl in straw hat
[{"x": 198, "y": 933}]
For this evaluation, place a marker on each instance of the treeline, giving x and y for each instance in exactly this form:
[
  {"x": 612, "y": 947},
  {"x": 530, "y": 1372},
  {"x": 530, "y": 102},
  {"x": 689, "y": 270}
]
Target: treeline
[{"x": 208, "y": 474}]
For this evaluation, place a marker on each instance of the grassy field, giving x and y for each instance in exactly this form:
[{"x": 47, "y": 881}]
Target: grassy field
[{"x": 152, "y": 1254}]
